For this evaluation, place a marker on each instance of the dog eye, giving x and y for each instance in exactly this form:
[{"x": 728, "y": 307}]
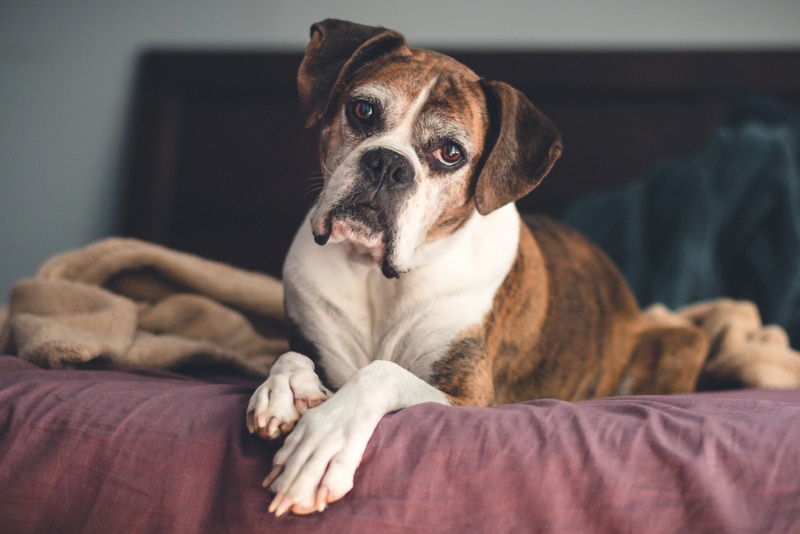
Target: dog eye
[
  {"x": 363, "y": 110},
  {"x": 449, "y": 154}
]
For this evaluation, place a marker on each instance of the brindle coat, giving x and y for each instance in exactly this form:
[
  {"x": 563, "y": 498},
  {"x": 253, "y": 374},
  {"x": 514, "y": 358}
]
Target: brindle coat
[{"x": 564, "y": 323}]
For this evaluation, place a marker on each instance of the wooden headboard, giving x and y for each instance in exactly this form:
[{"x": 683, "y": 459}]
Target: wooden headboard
[{"x": 219, "y": 163}]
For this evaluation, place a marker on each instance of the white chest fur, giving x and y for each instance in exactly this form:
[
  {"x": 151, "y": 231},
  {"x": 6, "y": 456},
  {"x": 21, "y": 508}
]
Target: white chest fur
[{"x": 354, "y": 315}]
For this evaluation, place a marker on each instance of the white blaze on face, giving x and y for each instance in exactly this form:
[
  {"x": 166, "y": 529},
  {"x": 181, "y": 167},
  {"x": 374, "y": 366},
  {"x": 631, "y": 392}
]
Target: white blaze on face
[{"x": 410, "y": 221}]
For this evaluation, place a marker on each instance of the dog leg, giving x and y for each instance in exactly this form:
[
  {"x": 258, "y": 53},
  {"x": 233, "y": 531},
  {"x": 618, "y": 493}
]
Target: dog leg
[
  {"x": 666, "y": 359},
  {"x": 291, "y": 388},
  {"x": 318, "y": 461}
]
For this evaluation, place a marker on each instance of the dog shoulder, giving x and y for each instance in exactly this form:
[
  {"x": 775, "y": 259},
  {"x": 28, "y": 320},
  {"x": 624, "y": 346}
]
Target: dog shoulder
[{"x": 591, "y": 316}]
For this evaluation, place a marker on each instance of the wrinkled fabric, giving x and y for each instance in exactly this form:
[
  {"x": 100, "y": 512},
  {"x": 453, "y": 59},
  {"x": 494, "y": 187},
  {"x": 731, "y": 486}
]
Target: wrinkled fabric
[
  {"x": 147, "y": 451},
  {"x": 724, "y": 222},
  {"x": 126, "y": 302}
]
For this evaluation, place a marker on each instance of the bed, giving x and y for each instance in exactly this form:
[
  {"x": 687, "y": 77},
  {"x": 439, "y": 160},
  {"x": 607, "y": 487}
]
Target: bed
[{"x": 219, "y": 166}]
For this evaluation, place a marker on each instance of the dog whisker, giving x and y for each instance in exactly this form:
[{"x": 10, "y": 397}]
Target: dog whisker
[
  {"x": 313, "y": 184},
  {"x": 327, "y": 171}
]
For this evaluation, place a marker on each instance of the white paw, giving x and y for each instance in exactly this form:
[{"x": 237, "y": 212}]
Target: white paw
[
  {"x": 318, "y": 461},
  {"x": 291, "y": 388}
]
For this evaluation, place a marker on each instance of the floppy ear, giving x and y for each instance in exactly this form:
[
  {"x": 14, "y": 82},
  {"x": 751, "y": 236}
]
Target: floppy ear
[
  {"x": 336, "y": 50},
  {"x": 522, "y": 147}
]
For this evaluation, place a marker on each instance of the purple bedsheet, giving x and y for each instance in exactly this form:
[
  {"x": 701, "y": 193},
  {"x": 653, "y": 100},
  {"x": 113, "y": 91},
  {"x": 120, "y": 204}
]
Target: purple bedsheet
[{"x": 113, "y": 451}]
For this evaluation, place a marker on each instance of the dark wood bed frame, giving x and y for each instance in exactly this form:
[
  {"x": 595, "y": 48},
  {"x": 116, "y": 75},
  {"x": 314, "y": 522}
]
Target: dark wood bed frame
[{"x": 219, "y": 163}]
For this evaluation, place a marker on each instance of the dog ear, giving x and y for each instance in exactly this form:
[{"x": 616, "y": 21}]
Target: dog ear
[
  {"x": 522, "y": 146},
  {"x": 336, "y": 50}
]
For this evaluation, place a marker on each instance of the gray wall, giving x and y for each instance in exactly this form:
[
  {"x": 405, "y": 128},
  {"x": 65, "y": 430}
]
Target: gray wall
[{"x": 66, "y": 68}]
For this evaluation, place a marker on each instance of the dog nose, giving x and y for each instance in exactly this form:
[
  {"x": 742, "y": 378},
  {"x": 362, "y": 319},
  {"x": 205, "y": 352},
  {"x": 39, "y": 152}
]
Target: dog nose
[{"x": 386, "y": 166}]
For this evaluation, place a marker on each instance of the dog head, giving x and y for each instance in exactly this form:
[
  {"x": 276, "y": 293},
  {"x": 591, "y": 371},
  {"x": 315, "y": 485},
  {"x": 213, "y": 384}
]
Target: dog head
[{"x": 412, "y": 143}]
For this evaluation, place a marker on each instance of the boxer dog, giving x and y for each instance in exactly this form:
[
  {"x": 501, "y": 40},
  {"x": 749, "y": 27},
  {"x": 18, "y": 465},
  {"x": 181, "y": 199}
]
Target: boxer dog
[{"x": 414, "y": 279}]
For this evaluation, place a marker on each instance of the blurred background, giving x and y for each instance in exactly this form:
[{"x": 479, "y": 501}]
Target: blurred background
[{"x": 66, "y": 77}]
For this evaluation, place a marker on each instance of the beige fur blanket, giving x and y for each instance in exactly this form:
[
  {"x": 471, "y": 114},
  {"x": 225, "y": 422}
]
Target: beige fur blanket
[
  {"x": 124, "y": 302},
  {"x": 129, "y": 303}
]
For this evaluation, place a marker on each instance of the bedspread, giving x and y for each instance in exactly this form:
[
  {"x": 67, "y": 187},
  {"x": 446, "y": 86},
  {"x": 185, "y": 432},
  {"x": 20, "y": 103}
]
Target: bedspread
[{"x": 148, "y": 451}]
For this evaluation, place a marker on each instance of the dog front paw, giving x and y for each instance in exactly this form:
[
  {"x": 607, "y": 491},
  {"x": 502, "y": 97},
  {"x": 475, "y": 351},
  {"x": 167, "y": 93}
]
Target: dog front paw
[
  {"x": 291, "y": 388},
  {"x": 317, "y": 463}
]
